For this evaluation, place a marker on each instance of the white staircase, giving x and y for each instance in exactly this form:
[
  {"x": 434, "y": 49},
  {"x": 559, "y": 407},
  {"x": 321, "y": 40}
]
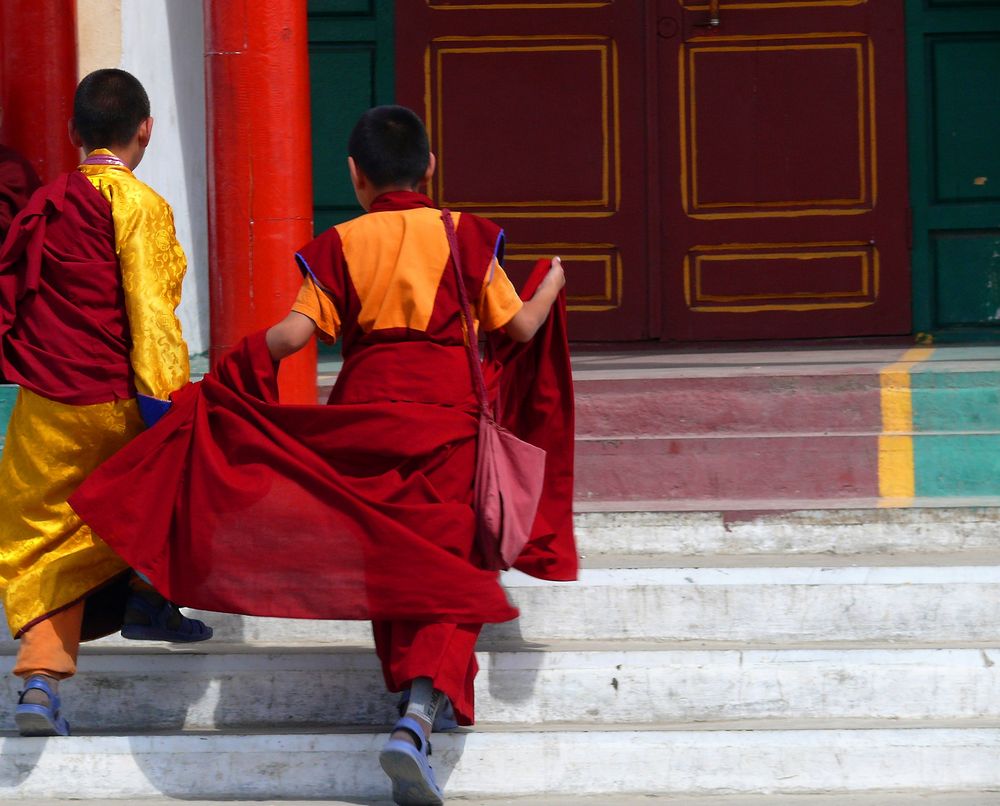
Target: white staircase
[{"x": 848, "y": 655}]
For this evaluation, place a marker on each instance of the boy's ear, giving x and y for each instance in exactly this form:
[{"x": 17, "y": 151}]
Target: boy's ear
[
  {"x": 144, "y": 132},
  {"x": 431, "y": 165},
  {"x": 358, "y": 178},
  {"x": 74, "y": 135}
]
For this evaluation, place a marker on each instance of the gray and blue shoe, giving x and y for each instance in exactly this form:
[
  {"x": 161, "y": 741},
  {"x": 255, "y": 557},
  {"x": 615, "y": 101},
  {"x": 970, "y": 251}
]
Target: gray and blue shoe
[
  {"x": 36, "y": 719},
  {"x": 409, "y": 769}
]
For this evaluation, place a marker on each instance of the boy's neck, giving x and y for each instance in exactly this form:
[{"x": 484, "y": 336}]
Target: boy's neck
[{"x": 376, "y": 192}]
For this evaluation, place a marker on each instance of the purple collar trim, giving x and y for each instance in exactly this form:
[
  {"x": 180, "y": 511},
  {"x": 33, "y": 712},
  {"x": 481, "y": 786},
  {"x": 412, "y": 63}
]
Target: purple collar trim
[{"x": 104, "y": 159}]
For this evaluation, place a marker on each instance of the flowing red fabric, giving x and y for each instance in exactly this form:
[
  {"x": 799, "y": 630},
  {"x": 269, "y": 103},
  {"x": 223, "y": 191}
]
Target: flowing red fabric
[
  {"x": 18, "y": 181},
  {"x": 63, "y": 327},
  {"x": 350, "y": 511},
  {"x": 537, "y": 404}
]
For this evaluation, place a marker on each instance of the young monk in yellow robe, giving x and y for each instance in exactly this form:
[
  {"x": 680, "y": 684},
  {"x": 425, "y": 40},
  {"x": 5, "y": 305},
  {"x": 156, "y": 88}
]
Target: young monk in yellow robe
[{"x": 90, "y": 277}]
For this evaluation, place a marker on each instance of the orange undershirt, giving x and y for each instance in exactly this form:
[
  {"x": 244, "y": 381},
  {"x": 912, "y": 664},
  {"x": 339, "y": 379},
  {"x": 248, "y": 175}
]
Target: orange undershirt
[{"x": 396, "y": 260}]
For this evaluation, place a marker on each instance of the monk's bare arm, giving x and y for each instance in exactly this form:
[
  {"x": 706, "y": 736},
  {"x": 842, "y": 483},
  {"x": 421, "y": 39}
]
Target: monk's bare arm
[
  {"x": 533, "y": 314},
  {"x": 290, "y": 335}
]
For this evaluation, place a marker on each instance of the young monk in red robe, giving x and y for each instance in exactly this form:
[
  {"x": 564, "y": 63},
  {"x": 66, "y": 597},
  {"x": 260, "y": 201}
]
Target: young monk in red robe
[
  {"x": 381, "y": 283},
  {"x": 18, "y": 181},
  {"x": 90, "y": 276},
  {"x": 362, "y": 509}
]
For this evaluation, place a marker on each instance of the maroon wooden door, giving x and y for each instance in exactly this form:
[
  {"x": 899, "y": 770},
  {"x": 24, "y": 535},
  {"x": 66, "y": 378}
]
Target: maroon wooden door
[
  {"x": 537, "y": 113},
  {"x": 783, "y": 169},
  {"x": 742, "y": 181}
]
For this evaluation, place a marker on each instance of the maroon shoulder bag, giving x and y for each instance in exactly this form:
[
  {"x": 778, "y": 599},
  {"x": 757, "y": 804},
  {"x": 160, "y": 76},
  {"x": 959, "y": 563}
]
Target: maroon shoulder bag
[{"x": 509, "y": 471}]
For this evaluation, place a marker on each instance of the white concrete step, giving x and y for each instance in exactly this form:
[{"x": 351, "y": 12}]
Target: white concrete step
[
  {"x": 946, "y": 605},
  {"x": 616, "y": 685},
  {"x": 508, "y": 763},
  {"x": 803, "y": 606},
  {"x": 753, "y": 528},
  {"x": 768, "y": 605}
]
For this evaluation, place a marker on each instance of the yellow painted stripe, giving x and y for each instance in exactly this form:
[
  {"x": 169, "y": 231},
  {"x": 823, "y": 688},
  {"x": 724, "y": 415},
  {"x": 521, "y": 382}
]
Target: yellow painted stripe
[{"x": 895, "y": 445}]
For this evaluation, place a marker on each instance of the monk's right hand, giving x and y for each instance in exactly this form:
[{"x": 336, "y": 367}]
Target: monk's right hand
[{"x": 556, "y": 275}]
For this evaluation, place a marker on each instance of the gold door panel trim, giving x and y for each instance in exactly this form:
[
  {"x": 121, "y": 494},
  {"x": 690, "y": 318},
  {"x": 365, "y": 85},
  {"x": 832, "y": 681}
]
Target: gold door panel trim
[
  {"x": 610, "y": 180},
  {"x": 759, "y": 5},
  {"x": 805, "y": 36},
  {"x": 610, "y": 261},
  {"x": 512, "y": 6},
  {"x": 698, "y": 257},
  {"x": 792, "y": 208}
]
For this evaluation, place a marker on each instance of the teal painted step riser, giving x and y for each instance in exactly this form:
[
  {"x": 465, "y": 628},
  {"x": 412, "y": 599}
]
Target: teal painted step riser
[
  {"x": 955, "y": 404},
  {"x": 957, "y": 465},
  {"x": 8, "y": 394}
]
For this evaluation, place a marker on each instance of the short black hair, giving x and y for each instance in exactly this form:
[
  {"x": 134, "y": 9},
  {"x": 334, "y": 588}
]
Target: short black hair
[
  {"x": 390, "y": 145},
  {"x": 108, "y": 107}
]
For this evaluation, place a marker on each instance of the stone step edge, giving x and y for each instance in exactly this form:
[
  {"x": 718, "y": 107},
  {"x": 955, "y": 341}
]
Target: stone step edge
[
  {"x": 327, "y": 648},
  {"x": 750, "y": 506},
  {"x": 739, "y": 371},
  {"x": 988, "y": 727},
  {"x": 716, "y": 436},
  {"x": 913, "y": 798},
  {"x": 931, "y": 559}
]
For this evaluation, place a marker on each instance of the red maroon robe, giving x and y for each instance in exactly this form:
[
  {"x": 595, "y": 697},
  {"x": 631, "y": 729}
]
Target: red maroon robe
[
  {"x": 536, "y": 403},
  {"x": 292, "y": 511},
  {"x": 63, "y": 327}
]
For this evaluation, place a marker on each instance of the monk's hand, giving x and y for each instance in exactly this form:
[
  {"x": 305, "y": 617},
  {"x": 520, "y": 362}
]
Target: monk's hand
[{"x": 555, "y": 277}]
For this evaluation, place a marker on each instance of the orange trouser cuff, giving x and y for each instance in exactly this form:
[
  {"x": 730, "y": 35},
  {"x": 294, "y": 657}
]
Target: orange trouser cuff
[{"x": 51, "y": 646}]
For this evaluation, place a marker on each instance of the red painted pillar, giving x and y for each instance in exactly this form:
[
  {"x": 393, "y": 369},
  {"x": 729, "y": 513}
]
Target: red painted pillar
[
  {"x": 259, "y": 172},
  {"x": 37, "y": 81}
]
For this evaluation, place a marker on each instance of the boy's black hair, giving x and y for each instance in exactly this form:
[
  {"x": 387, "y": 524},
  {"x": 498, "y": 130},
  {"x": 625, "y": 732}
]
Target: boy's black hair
[
  {"x": 389, "y": 144},
  {"x": 108, "y": 107}
]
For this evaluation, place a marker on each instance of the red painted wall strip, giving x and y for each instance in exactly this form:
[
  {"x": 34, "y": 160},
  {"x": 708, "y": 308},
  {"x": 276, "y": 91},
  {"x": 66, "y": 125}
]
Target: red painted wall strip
[
  {"x": 37, "y": 81},
  {"x": 259, "y": 172}
]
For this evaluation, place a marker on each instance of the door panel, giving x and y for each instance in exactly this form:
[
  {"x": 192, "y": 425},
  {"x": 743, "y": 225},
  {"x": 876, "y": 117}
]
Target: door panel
[
  {"x": 537, "y": 115},
  {"x": 789, "y": 214},
  {"x": 351, "y": 69},
  {"x": 954, "y": 61}
]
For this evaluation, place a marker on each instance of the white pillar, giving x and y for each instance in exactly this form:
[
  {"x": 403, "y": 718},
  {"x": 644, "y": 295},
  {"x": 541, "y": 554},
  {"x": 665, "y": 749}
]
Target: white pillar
[{"x": 161, "y": 42}]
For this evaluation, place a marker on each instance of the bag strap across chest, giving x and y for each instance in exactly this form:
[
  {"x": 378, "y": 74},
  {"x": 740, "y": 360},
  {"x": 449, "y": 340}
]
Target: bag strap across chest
[{"x": 475, "y": 364}]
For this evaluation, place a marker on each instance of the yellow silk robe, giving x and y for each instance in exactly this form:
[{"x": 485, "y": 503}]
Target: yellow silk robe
[{"x": 49, "y": 559}]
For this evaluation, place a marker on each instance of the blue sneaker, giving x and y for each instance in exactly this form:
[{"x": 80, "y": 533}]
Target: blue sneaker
[
  {"x": 407, "y": 766},
  {"x": 40, "y": 720}
]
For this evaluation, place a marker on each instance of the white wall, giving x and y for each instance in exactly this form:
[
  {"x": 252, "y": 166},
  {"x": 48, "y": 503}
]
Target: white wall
[{"x": 163, "y": 46}]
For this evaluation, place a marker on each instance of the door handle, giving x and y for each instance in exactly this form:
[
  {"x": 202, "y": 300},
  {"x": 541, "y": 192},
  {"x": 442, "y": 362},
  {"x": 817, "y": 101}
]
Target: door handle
[
  {"x": 713, "y": 13},
  {"x": 714, "y": 20}
]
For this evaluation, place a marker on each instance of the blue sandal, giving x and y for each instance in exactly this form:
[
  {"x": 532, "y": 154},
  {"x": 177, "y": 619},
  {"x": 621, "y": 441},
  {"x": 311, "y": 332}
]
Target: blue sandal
[
  {"x": 407, "y": 766},
  {"x": 155, "y": 624},
  {"x": 40, "y": 720}
]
